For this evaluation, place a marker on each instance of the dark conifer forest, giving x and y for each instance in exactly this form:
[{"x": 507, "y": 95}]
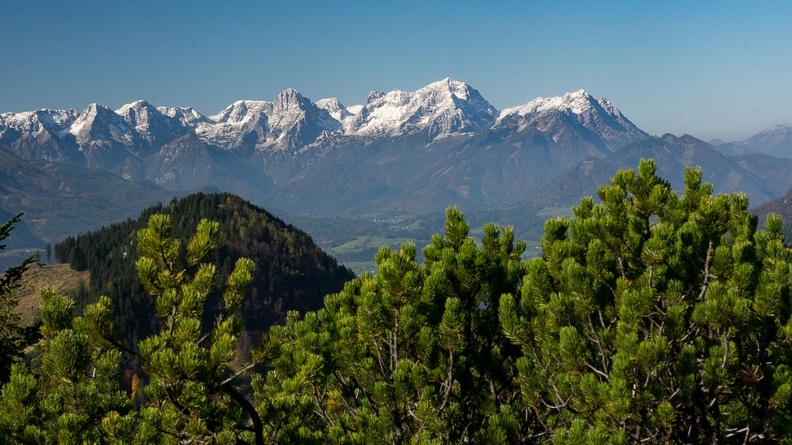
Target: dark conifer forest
[{"x": 291, "y": 272}]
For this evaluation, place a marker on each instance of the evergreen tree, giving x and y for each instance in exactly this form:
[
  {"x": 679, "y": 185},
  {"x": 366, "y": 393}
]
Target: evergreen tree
[
  {"x": 410, "y": 354},
  {"x": 191, "y": 397},
  {"x": 649, "y": 318},
  {"x": 72, "y": 395},
  {"x": 652, "y": 318},
  {"x": 12, "y": 338}
]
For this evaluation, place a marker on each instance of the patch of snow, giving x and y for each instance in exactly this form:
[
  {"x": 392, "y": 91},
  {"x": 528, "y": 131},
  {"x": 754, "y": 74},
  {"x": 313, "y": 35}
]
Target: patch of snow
[{"x": 577, "y": 103}]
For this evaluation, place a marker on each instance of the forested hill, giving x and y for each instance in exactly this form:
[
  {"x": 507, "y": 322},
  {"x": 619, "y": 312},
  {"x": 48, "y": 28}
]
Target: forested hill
[{"x": 292, "y": 273}]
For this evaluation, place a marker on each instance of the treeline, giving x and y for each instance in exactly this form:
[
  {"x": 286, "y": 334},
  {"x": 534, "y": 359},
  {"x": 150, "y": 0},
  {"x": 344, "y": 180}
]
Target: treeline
[
  {"x": 292, "y": 273},
  {"x": 651, "y": 317}
]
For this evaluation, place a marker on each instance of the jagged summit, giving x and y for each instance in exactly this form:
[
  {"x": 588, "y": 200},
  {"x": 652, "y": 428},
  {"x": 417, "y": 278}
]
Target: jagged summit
[
  {"x": 289, "y": 122},
  {"x": 135, "y": 105},
  {"x": 455, "y": 87},
  {"x": 290, "y": 99},
  {"x": 553, "y": 116},
  {"x": 406, "y": 151},
  {"x": 39, "y": 134},
  {"x": 440, "y": 108},
  {"x": 336, "y": 109},
  {"x": 576, "y": 103},
  {"x": 98, "y": 121},
  {"x": 140, "y": 114},
  {"x": 38, "y": 121},
  {"x": 187, "y": 116},
  {"x": 158, "y": 126}
]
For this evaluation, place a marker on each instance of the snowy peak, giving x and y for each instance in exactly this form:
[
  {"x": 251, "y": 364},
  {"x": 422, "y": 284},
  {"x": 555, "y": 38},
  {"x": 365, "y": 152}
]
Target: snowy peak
[
  {"x": 292, "y": 122},
  {"x": 337, "y": 110},
  {"x": 440, "y": 108},
  {"x": 186, "y": 116},
  {"x": 459, "y": 89},
  {"x": 240, "y": 124},
  {"x": 579, "y": 103},
  {"x": 777, "y": 134},
  {"x": 97, "y": 122},
  {"x": 780, "y": 129},
  {"x": 290, "y": 99},
  {"x": 109, "y": 142},
  {"x": 774, "y": 141},
  {"x": 289, "y": 122},
  {"x": 44, "y": 120},
  {"x": 332, "y": 105},
  {"x": 138, "y": 112},
  {"x": 241, "y": 112},
  {"x": 151, "y": 124},
  {"x": 577, "y": 110},
  {"x": 39, "y": 134},
  {"x": 576, "y": 103},
  {"x": 295, "y": 121}
]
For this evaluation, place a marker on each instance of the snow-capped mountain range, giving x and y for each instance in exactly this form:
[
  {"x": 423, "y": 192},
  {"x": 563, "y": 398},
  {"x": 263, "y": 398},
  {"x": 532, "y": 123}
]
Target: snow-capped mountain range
[
  {"x": 413, "y": 151},
  {"x": 291, "y": 121}
]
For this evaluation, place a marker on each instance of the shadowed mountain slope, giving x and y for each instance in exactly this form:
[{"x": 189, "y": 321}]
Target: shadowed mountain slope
[{"x": 292, "y": 273}]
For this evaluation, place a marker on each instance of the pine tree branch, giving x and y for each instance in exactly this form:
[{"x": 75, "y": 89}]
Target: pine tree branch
[
  {"x": 598, "y": 372},
  {"x": 237, "y": 374},
  {"x": 249, "y": 409},
  {"x": 318, "y": 397},
  {"x": 449, "y": 383},
  {"x": 120, "y": 346},
  {"x": 707, "y": 275},
  {"x": 596, "y": 339}
]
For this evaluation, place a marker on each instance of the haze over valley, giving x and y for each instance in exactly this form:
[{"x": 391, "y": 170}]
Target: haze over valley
[{"x": 381, "y": 172}]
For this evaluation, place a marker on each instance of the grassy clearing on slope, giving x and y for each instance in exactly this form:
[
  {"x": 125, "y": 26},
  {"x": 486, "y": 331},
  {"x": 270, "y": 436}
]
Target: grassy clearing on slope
[
  {"x": 365, "y": 242},
  {"x": 59, "y": 276},
  {"x": 553, "y": 212}
]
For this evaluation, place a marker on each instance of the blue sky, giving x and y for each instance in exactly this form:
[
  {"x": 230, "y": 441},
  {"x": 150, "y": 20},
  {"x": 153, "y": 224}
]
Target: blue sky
[{"x": 707, "y": 68}]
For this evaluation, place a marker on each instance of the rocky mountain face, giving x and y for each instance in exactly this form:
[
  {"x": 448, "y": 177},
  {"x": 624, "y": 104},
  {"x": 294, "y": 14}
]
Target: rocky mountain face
[
  {"x": 42, "y": 134},
  {"x": 156, "y": 127},
  {"x": 573, "y": 119},
  {"x": 290, "y": 123},
  {"x": 414, "y": 152},
  {"x": 439, "y": 109}
]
